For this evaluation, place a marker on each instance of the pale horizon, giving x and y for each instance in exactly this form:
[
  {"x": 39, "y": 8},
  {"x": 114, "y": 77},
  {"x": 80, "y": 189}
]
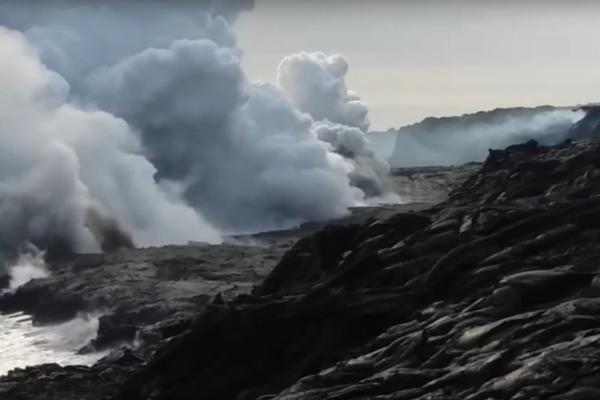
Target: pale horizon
[{"x": 411, "y": 60}]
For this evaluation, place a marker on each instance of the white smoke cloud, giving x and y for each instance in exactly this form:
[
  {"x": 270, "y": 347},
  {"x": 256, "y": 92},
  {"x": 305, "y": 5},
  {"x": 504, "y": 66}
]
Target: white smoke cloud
[
  {"x": 58, "y": 161},
  {"x": 74, "y": 38},
  {"x": 29, "y": 266},
  {"x": 368, "y": 172},
  {"x": 246, "y": 156},
  {"x": 136, "y": 117},
  {"x": 316, "y": 83}
]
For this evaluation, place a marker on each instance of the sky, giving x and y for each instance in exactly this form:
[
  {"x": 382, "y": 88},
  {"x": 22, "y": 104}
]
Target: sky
[{"x": 414, "y": 59}]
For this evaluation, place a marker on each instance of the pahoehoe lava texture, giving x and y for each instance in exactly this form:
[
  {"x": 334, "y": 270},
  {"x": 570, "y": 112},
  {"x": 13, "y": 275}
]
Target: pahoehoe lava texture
[{"x": 493, "y": 294}]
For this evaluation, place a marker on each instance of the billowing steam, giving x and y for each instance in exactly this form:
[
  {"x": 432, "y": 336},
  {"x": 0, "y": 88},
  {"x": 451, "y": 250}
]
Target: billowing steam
[
  {"x": 59, "y": 161},
  {"x": 316, "y": 83},
  {"x": 368, "y": 172},
  {"x": 242, "y": 154},
  {"x": 132, "y": 123},
  {"x": 457, "y": 140}
]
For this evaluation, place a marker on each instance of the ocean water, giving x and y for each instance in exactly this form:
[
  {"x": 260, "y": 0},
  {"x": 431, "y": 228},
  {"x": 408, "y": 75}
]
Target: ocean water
[{"x": 22, "y": 344}]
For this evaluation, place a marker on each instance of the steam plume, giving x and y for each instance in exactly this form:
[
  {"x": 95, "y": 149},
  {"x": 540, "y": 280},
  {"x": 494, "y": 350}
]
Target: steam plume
[
  {"x": 457, "y": 140},
  {"x": 316, "y": 84},
  {"x": 133, "y": 122},
  {"x": 368, "y": 172},
  {"x": 58, "y": 161}
]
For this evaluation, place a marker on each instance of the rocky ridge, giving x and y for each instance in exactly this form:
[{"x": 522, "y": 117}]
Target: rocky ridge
[{"x": 493, "y": 294}]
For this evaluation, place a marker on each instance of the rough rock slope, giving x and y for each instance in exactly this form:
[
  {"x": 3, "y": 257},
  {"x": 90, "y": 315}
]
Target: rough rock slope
[
  {"x": 494, "y": 294},
  {"x": 491, "y": 295},
  {"x": 148, "y": 295}
]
